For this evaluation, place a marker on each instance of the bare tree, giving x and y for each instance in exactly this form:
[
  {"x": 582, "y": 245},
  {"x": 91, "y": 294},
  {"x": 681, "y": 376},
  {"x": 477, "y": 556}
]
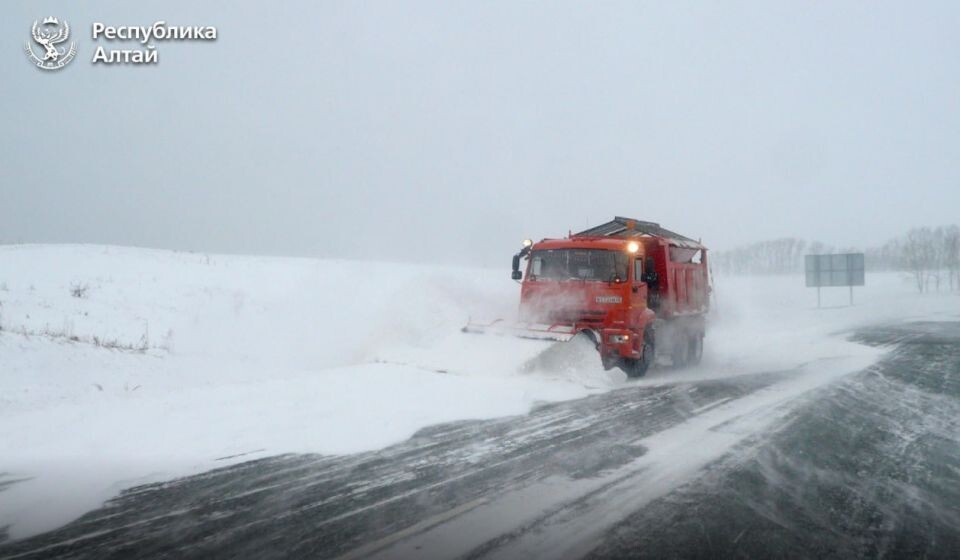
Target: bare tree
[
  {"x": 931, "y": 255},
  {"x": 951, "y": 255},
  {"x": 919, "y": 255},
  {"x": 777, "y": 256}
]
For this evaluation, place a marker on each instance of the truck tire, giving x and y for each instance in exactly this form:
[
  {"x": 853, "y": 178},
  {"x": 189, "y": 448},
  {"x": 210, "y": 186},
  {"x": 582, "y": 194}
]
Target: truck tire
[
  {"x": 636, "y": 368},
  {"x": 695, "y": 353}
]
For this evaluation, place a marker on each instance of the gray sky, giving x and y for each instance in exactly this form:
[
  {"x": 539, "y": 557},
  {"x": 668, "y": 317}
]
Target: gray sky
[{"x": 449, "y": 131}]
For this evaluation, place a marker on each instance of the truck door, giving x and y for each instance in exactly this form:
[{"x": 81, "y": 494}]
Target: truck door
[{"x": 638, "y": 291}]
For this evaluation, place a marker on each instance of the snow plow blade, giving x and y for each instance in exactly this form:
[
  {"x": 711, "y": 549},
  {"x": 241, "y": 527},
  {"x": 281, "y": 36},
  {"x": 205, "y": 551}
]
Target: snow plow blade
[
  {"x": 535, "y": 331},
  {"x": 554, "y": 358}
]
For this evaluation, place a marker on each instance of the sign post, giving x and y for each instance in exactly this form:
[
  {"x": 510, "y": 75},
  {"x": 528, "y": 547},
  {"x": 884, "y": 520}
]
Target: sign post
[{"x": 835, "y": 271}]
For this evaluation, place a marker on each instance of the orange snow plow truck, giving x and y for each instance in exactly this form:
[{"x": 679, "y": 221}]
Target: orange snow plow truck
[{"x": 635, "y": 289}]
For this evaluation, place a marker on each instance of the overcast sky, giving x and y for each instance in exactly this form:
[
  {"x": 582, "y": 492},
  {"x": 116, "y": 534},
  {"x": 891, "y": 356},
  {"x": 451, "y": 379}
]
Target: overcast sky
[{"x": 449, "y": 131}]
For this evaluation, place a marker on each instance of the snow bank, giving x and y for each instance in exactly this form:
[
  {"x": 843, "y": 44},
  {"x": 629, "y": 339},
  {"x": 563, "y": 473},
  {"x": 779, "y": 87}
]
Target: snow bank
[
  {"x": 773, "y": 322},
  {"x": 122, "y": 366}
]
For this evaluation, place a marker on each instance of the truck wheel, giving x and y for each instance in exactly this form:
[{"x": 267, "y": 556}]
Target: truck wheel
[
  {"x": 695, "y": 353},
  {"x": 635, "y": 368}
]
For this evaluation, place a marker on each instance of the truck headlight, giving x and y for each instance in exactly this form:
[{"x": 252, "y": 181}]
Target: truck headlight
[{"x": 618, "y": 338}]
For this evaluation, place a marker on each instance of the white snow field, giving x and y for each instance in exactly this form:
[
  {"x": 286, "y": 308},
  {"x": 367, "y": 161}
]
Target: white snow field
[{"x": 122, "y": 366}]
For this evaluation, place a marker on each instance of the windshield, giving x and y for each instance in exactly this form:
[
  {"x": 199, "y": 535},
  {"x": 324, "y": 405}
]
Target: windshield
[{"x": 597, "y": 265}]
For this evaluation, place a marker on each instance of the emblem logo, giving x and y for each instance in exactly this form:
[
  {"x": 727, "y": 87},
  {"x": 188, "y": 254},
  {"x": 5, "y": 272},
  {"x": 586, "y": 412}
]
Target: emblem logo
[
  {"x": 608, "y": 299},
  {"x": 48, "y": 35}
]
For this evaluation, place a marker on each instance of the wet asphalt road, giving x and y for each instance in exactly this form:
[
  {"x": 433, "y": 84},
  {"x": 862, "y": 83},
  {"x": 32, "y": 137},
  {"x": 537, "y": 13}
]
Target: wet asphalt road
[{"x": 867, "y": 465}]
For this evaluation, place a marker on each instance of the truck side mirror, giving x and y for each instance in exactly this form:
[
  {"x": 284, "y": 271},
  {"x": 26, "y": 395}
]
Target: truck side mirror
[{"x": 516, "y": 274}]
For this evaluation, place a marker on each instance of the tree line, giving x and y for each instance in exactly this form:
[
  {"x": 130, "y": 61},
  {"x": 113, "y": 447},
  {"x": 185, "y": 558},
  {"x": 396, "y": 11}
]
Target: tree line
[{"x": 930, "y": 254}]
